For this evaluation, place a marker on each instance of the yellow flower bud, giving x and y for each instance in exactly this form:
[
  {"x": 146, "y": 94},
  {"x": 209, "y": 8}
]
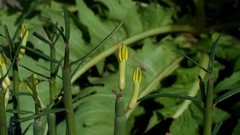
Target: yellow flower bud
[
  {"x": 33, "y": 81},
  {"x": 6, "y": 82},
  {"x": 122, "y": 53},
  {"x": 6, "y": 97},
  {"x": 137, "y": 77},
  {"x": 3, "y": 60},
  {"x": 24, "y": 36},
  {"x": 122, "y": 57}
]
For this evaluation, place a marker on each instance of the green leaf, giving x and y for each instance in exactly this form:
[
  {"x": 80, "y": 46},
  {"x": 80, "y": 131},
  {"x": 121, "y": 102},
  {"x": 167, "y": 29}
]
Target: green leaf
[
  {"x": 219, "y": 115},
  {"x": 34, "y": 72},
  {"x": 186, "y": 122},
  {"x": 236, "y": 130},
  {"x": 44, "y": 112},
  {"x": 216, "y": 128},
  {"x": 22, "y": 112},
  {"x": 77, "y": 98},
  {"x": 9, "y": 40},
  {"x": 193, "y": 61},
  {"x": 22, "y": 94},
  {"x": 227, "y": 48},
  {"x": 40, "y": 37},
  {"x": 171, "y": 95},
  {"x": 228, "y": 83},
  {"x": 40, "y": 54},
  {"x": 226, "y": 95},
  {"x": 212, "y": 55},
  {"x": 186, "y": 83},
  {"x": 67, "y": 24}
]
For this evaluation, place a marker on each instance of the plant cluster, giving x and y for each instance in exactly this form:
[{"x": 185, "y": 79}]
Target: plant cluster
[{"x": 58, "y": 67}]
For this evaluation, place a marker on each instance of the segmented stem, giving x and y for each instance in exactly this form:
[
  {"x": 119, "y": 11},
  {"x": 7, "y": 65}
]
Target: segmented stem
[
  {"x": 120, "y": 118},
  {"x": 66, "y": 72},
  {"x": 3, "y": 122},
  {"x": 52, "y": 88},
  {"x": 207, "y": 127}
]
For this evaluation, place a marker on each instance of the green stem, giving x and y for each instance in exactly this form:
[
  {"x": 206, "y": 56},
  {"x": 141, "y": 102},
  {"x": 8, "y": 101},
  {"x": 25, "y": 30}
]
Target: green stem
[
  {"x": 37, "y": 123},
  {"x": 37, "y": 127},
  {"x": 207, "y": 127},
  {"x": 16, "y": 102},
  {"x": 152, "y": 32},
  {"x": 200, "y": 13},
  {"x": 3, "y": 122},
  {"x": 120, "y": 118},
  {"x": 52, "y": 88},
  {"x": 66, "y": 72},
  {"x": 52, "y": 124}
]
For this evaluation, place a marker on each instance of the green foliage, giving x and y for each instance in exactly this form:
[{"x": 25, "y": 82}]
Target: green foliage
[{"x": 152, "y": 30}]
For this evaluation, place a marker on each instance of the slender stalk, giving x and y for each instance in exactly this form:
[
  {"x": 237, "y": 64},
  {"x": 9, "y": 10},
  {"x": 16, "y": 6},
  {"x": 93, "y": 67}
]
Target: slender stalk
[
  {"x": 3, "y": 122},
  {"x": 200, "y": 13},
  {"x": 37, "y": 123},
  {"x": 207, "y": 127},
  {"x": 52, "y": 75},
  {"x": 52, "y": 88},
  {"x": 66, "y": 72},
  {"x": 52, "y": 124},
  {"x": 120, "y": 118},
  {"x": 16, "y": 102},
  {"x": 16, "y": 130},
  {"x": 37, "y": 127}
]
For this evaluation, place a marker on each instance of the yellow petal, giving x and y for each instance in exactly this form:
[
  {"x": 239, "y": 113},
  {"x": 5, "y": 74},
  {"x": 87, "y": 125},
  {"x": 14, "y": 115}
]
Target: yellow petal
[
  {"x": 24, "y": 37},
  {"x": 137, "y": 75},
  {"x": 33, "y": 81},
  {"x": 24, "y": 34},
  {"x": 122, "y": 53}
]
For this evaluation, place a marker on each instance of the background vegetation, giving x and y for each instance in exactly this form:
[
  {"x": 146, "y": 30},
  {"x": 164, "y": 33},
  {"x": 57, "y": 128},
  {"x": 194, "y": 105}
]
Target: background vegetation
[{"x": 151, "y": 29}]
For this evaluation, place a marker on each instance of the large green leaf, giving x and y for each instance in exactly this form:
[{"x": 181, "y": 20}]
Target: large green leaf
[
  {"x": 191, "y": 120},
  {"x": 99, "y": 109},
  {"x": 236, "y": 129},
  {"x": 188, "y": 123},
  {"x": 228, "y": 83}
]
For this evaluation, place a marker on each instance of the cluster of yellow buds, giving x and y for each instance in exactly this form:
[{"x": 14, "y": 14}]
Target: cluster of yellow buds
[
  {"x": 24, "y": 37},
  {"x": 6, "y": 82},
  {"x": 32, "y": 88},
  {"x": 120, "y": 118},
  {"x": 137, "y": 75}
]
